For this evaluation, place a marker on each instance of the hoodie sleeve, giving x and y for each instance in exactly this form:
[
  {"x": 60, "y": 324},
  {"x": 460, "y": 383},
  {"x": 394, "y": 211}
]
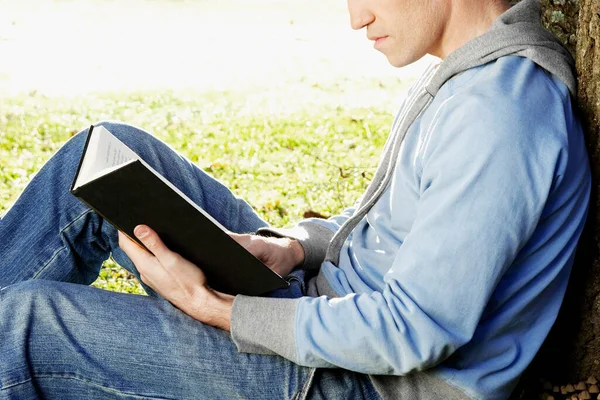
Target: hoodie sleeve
[
  {"x": 313, "y": 234},
  {"x": 487, "y": 170}
]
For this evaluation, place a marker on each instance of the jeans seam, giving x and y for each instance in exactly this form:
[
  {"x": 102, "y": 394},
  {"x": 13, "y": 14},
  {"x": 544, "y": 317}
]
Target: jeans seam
[
  {"x": 87, "y": 381},
  {"x": 55, "y": 254},
  {"x": 43, "y": 268},
  {"x": 303, "y": 390}
]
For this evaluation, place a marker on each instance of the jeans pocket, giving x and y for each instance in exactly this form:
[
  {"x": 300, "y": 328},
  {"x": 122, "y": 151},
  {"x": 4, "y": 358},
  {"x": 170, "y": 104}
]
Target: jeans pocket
[
  {"x": 302, "y": 393},
  {"x": 296, "y": 288},
  {"x": 297, "y": 282}
]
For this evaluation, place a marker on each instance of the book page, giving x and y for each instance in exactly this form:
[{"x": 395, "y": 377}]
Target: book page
[{"x": 104, "y": 153}]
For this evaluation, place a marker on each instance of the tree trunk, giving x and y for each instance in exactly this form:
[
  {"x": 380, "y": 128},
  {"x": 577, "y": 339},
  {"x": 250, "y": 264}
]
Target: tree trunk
[
  {"x": 572, "y": 351},
  {"x": 584, "y": 296}
]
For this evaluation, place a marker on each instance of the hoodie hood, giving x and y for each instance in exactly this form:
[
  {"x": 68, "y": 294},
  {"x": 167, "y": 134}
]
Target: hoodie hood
[{"x": 519, "y": 32}]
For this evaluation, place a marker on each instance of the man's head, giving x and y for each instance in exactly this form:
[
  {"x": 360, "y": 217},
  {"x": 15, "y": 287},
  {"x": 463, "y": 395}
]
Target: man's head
[{"x": 408, "y": 29}]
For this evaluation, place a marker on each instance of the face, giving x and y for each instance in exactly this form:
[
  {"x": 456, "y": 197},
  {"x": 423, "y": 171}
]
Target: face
[{"x": 403, "y": 30}]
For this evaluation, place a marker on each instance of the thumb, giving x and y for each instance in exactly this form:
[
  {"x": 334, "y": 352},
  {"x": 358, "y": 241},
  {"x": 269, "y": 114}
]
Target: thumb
[{"x": 154, "y": 244}]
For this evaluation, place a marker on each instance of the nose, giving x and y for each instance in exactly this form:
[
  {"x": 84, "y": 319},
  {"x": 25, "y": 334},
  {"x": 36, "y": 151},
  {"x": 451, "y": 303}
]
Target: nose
[{"x": 360, "y": 16}]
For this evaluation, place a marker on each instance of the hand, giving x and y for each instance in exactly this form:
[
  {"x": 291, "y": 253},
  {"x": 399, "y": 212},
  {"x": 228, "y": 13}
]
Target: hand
[
  {"x": 177, "y": 279},
  {"x": 282, "y": 255}
]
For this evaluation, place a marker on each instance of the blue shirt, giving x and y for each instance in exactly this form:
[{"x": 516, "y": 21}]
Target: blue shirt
[{"x": 463, "y": 262}]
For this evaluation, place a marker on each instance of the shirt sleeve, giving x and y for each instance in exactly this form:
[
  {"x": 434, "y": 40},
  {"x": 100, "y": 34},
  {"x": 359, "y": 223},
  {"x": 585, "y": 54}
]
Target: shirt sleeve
[{"x": 487, "y": 170}]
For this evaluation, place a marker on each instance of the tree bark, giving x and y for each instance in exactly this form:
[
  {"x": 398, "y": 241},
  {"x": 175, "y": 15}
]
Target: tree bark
[
  {"x": 572, "y": 351},
  {"x": 584, "y": 294}
]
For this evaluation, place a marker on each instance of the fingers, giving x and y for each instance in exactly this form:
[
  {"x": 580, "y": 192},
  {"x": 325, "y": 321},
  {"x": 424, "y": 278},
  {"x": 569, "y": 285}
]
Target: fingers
[
  {"x": 166, "y": 272},
  {"x": 275, "y": 253},
  {"x": 254, "y": 244},
  {"x": 242, "y": 239}
]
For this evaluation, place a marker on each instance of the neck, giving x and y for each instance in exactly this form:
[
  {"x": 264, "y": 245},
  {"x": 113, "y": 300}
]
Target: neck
[{"x": 467, "y": 20}]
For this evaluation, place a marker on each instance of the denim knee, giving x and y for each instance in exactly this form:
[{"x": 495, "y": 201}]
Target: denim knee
[
  {"x": 23, "y": 297},
  {"x": 37, "y": 305}
]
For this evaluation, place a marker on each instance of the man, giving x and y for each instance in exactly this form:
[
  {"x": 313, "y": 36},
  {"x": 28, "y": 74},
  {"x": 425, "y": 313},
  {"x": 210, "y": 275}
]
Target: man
[{"x": 442, "y": 281}]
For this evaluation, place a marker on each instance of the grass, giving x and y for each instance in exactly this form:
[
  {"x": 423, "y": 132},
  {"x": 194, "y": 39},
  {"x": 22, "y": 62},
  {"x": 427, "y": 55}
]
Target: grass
[{"x": 304, "y": 147}]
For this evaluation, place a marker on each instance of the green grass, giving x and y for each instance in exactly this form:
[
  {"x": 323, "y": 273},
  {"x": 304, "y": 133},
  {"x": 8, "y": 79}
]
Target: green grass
[{"x": 302, "y": 148}]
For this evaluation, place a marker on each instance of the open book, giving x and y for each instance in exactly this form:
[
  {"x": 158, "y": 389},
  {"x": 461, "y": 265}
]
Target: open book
[{"x": 126, "y": 191}]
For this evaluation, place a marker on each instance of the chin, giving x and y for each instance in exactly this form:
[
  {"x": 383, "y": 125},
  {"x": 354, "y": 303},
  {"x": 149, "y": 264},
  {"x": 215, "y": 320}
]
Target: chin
[
  {"x": 401, "y": 60},
  {"x": 399, "y": 63}
]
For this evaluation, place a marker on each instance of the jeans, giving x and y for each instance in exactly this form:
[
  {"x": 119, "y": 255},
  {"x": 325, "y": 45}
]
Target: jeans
[{"x": 61, "y": 339}]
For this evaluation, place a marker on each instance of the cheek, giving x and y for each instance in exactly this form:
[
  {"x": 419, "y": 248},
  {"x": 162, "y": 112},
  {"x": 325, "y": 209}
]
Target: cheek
[
  {"x": 428, "y": 29},
  {"x": 437, "y": 16}
]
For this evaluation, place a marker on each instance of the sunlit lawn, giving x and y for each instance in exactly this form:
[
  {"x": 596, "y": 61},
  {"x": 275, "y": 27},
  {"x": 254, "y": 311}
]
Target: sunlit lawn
[{"x": 303, "y": 148}]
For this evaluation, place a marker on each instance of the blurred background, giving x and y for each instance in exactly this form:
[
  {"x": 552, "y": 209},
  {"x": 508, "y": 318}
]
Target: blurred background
[{"x": 77, "y": 46}]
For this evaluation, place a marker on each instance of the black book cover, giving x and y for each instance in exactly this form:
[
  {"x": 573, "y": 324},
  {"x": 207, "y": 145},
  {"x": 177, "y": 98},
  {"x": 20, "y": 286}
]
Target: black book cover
[{"x": 132, "y": 194}]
